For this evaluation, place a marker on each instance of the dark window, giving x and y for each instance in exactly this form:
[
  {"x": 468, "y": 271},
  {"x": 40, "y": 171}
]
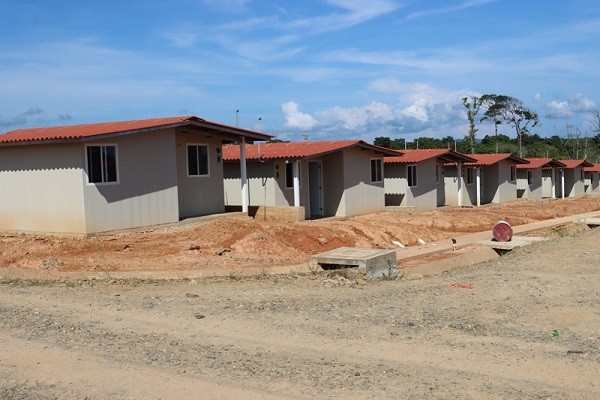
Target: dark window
[
  {"x": 529, "y": 177},
  {"x": 376, "y": 170},
  {"x": 289, "y": 174},
  {"x": 411, "y": 175},
  {"x": 470, "y": 175},
  {"x": 513, "y": 173},
  {"x": 582, "y": 174},
  {"x": 197, "y": 159},
  {"x": 102, "y": 164}
]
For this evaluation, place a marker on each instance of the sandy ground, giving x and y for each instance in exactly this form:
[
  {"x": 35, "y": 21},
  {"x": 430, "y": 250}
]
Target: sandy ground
[
  {"x": 245, "y": 242},
  {"x": 524, "y": 326}
]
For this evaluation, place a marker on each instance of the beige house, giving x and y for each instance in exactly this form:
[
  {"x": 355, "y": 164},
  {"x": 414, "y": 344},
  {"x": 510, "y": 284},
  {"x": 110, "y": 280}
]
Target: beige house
[
  {"x": 592, "y": 180},
  {"x": 536, "y": 180},
  {"x": 491, "y": 179},
  {"x": 99, "y": 177},
  {"x": 329, "y": 178},
  {"x": 416, "y": 179},
  {"x": 573, "y": 177}
]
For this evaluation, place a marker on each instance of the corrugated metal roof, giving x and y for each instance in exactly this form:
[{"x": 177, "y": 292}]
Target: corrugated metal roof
[
  {"x": 490, "y": 159},
  {"x": 570, "y": 164},
  {"x": 70, "y": 132},
  {"x": 595, "y": 168},
  {"x": 418, "y": 155},
  {"x": 298, "y": 149},
  {"x": 541, "y": 163}
]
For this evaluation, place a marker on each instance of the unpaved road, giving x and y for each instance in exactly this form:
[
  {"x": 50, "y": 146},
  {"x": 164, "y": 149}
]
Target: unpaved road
[{"x": 481, "y": 332}]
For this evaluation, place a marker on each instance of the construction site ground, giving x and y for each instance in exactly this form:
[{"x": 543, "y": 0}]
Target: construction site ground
[
  {"x": 521, "y": 326},
  {"x": 239, "y": 245}
]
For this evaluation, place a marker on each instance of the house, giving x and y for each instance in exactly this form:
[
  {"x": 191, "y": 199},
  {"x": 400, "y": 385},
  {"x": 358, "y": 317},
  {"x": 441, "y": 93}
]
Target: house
[
  {"x": 592, "y": 180},
  {"x": 491, "y": 179},
  {"x": 573, "y": 176},
  {"x": 536, "y": 180},
  {"x": 92, "y": 178},
  {"x": 327, "y": 178},
  {"x": 416, "y": 179}
]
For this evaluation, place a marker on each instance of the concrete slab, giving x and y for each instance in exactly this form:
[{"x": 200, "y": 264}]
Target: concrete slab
[
  {"x": 589, "y": 221},
  {"x": 374, "y": 263},
  {"x": 517, "y": 241}
]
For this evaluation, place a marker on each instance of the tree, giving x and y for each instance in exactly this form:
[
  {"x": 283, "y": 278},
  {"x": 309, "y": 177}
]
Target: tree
[
  {"x": 383, "y": 141},
  {"x": 473, "y": 105},
  {"x": 513, "y": 112}
]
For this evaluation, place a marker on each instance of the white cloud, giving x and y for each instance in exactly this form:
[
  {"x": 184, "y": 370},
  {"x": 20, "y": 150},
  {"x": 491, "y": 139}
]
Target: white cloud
[
  {"x": 296, "y": 119},
  {"x": 576, "y": 103},
  {"x": 445, "y": 10},
  {"x": 537, "y": 97}
]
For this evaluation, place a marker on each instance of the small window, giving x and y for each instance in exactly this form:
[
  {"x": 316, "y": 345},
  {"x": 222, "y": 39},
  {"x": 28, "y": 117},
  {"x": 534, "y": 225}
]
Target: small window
[
  {"x": 437, "y": 174},
  {"x": 289, "y": 175},
  {"x": 513, "y": 173},
  {"x": 197, "y": 155},
  {"x": 582, "y": 177},
  {"x": 470, "y": 176},
  {"x": 376, "y": 170},
  {"x": 102, "y": 164},
  {"x": 529, "y": 177},
  {"x": 411, "y": 175}
]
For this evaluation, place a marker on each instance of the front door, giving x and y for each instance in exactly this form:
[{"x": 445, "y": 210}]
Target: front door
[{"x": 315, "y": 189}]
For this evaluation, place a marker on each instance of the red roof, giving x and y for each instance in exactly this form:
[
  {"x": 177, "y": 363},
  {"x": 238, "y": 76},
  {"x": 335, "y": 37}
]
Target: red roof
[
  {"x": 535, "y": 163},
  {"x": 298, "y": 149},
  {"x": 595, "y": 168},
  {"x": 71, "y": 132},
  {"x": 415, "y": 156},
  {"x": 570, "y": 164},
  {"x": 490, "y": 159}
]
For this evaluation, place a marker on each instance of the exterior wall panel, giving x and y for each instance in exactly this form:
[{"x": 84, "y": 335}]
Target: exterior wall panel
[
  {"x": 361, "y": 196},
  {"x": 41, "y": 188}
]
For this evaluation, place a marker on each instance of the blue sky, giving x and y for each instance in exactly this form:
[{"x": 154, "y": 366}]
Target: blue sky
[{"x": 329, "y": 69}]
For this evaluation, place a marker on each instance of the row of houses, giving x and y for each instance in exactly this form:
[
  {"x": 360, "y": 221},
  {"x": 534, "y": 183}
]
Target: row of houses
[{"x": 85, "y": 179}]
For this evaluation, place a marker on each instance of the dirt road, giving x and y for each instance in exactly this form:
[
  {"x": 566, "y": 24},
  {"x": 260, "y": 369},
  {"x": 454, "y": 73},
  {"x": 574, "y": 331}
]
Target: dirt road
[{"x": 524, "y": 326}]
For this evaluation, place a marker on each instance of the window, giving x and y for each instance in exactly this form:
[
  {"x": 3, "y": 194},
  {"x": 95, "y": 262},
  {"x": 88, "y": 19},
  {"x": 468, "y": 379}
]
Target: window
[
  {"x": 529, "y": 177},
  {"x": 101, "y": 163},
  {"x": 513, "y": 173},
  {"x": 197, "y": 155},
  {"x": 411, "y": 175},
  {"x": 470, "y": 176},
  {"x": 582, "y": 175},
  {"x": 289, "y": 175},
  {"x": 376, "y": 170}
]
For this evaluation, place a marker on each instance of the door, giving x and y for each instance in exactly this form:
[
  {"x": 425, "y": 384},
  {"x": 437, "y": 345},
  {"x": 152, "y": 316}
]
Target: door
[{"x": 315, "y": 189}]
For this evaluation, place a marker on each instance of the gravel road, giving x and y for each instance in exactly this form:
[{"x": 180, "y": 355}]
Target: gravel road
[{"x": 524, "y": 326}]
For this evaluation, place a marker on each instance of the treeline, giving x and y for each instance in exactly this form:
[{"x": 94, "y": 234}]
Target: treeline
[{"x": 533, "y": 146}]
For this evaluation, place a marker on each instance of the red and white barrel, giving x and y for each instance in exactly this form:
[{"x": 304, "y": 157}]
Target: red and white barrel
[{"x": 502, "y": 231}]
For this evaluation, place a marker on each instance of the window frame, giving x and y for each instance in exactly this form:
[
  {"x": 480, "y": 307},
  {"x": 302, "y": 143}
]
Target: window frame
[
  {"x": 187, "y": 159},
  {"x": 87, "y": 165},
  {"x": 378, "y": 172},
  {"x": 529, "y": 177},
  {"x": 513, "y": 173},
  {"x": 291, "y": 165},
  {"x": 408, "y": 176},
  {"x": 582, "y": 176},
  {"x": 470, "y": 176}
]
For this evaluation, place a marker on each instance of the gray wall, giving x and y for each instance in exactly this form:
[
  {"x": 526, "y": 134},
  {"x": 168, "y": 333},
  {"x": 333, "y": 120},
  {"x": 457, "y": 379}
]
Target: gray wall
[
  {"x": 547, "y": 179},
  {"x": 360, "y": 195},
  {"x": 574, "y": 186},
  {"x": 199, "y": 195},
  {"x": 333, "y": 184},
  {"x": 395, "y": 184},
  {"x": 592, "y": 183},
  {"x": 426, "y": 194},
  {"x": 41, "y": 188},
  {"x": 533, "y": 191}
]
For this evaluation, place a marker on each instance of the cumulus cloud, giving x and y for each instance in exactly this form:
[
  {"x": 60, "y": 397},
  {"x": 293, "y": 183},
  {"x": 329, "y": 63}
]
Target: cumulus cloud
[
  {"x": 21, "y": 119},
  {"x": 567, "y": 108},
  {"x": 296, "y": 119},
  {"x": 65, "y": 117}
]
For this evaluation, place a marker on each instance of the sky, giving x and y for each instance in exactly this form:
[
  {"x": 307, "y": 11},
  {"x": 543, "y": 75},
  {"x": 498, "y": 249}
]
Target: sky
[{"x": 316, "y": 69}]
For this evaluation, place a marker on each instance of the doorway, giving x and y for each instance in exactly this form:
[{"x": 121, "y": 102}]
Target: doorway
[{"x": 315, "y": 189}]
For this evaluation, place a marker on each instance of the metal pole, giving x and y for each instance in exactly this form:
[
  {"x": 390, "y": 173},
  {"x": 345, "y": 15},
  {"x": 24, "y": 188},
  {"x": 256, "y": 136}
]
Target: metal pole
[{"x": 244, "y": 175}]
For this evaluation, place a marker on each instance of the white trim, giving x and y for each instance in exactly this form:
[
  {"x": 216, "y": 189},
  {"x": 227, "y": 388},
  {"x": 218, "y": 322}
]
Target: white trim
[
  {"x": 187, "y": 160},
  {"x": 416, "y": 183},
  {"x": 371, "y": 169},
  {"x": 87, "y": 175}
]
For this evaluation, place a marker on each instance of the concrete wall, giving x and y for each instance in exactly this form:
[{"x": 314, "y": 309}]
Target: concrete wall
[
  {"x": 498, "y": 175},
  {"x": 395, "y": 184},
  {"x": 361, "y": 196},
  {"x": 450, "y": 179},
  {"x": 574, "y": 186},
  {"x": 333, "y": 184},
  {"x": 146, "y": 193},
  {"x": 41, "y": 188},
  {"x": 526, "y": 191},
  {"x": 592, "y": 184},
  {"x": 427, "y": 193},
  {"x": 261, "y": 183},
  {"x": 204, "y": 194}
]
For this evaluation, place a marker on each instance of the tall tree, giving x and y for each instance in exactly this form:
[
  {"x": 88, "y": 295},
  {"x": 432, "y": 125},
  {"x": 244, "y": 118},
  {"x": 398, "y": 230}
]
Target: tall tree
[
  {"x": 473, "y": 105},
  {"x": 513, "y": 112}
]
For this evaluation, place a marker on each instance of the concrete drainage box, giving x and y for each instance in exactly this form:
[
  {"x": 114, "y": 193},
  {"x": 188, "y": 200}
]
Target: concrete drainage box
[{"x": 374, "y": 263}]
